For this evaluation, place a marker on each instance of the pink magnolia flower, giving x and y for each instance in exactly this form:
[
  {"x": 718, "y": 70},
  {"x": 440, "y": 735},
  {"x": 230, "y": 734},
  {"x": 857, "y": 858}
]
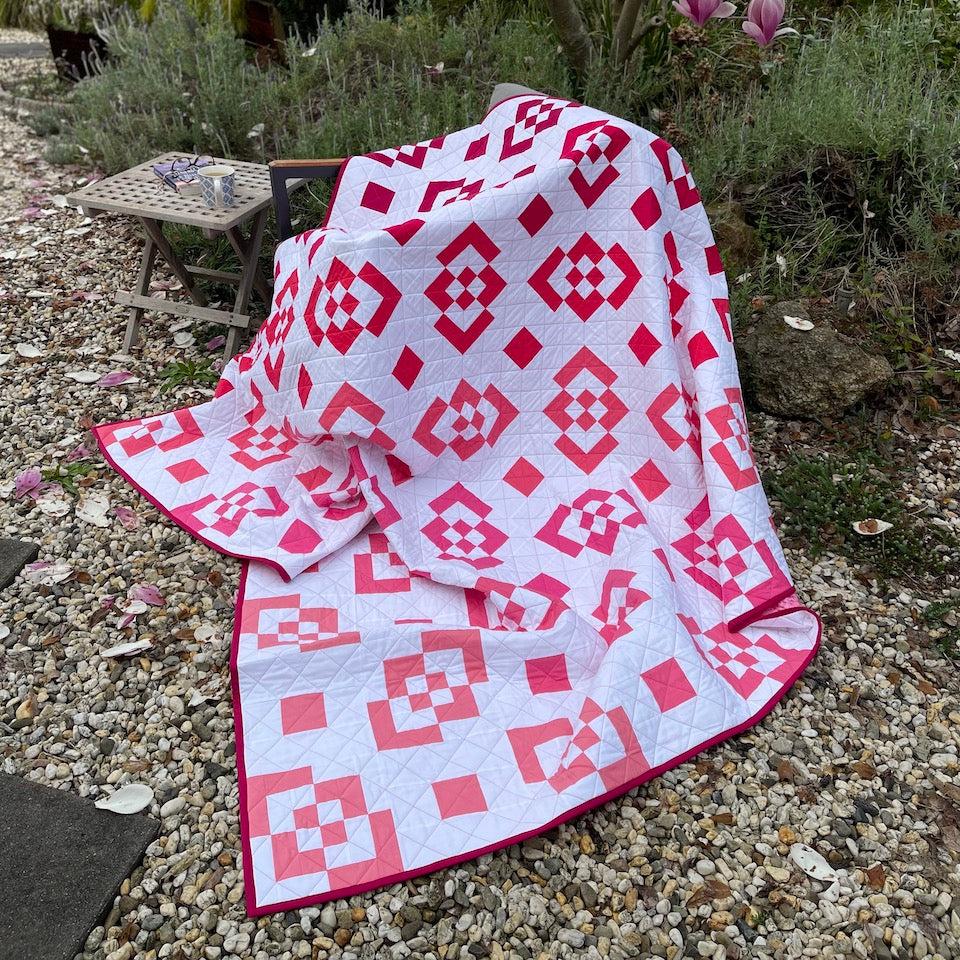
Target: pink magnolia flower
[
  {"x": 763, "y": 19},
  {"x": 700, "y": 11},
  {"x": 147, "y": 593},
  {"x": 115, "y": 378},
  {"x": 28, "y": 484},
  {"x": 79, "y": 453}
]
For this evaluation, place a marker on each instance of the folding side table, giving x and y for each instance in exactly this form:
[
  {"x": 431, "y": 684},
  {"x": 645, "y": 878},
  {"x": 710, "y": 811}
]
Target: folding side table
[{"x": 140, "y": 194}]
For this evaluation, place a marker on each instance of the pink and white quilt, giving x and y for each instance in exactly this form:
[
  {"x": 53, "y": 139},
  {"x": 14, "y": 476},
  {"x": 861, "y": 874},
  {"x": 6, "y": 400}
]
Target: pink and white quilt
[{"x": 508, "y": 555}]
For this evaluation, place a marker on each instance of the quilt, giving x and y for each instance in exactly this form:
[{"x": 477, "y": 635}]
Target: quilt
[{"x": 506, "y": 551}]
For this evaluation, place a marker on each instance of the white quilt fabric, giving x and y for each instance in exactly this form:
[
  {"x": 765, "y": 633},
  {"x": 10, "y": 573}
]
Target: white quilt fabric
[{"x": 509, "y": 555}]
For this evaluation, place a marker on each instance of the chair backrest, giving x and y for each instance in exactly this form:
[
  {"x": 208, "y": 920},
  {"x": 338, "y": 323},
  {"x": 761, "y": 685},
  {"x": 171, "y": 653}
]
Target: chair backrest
[
  {"x": 504, "y": 91},
  {"x": 283, "y": 170}
]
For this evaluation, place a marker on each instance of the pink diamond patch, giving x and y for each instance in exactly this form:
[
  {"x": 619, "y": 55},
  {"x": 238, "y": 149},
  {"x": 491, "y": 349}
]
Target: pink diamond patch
[
  {"x": 300, "y": 538},
  {"x": 646, "y": 208},
  {"x": 408, "y": 368},
  {"x": 651, "y": 481},
  {"x": 668, "y": 684},
  {"x": 524, "y": 477},
  {"x": 187, "y": 470},
  {"x": 701, "y": 349},
  {"x": 536, "y": 214},
  {"x": 548, "y": 674},
  {"x": 302, "y": 712},
  {"x": 644, "y": 344},
  {"x": 523, "y": 348},
  {"x": 459, "y": 796},
  {"x": 377, "y": 197}
]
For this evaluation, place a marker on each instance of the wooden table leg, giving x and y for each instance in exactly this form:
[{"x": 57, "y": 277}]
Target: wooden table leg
[
  {"x": 154, "y": 231},
  {"x": 248, "y": 252},
  {"x": 147, "y": 260}
]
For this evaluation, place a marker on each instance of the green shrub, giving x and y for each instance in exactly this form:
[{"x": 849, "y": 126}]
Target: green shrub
[
  {"x": 189, "y": 85},
  {"x": 180, "y": 84},
  {"x": 365, "y": 85},
  {"x": 16, "y": 13},
  {"x": 845, "y": 159},
  {"x": 818, "y": 499}
]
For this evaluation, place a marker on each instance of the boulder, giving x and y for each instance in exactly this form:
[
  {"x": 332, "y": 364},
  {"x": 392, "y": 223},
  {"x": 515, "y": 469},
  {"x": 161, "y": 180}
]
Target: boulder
[
  {"x": 735, "y": 238},
  {"x": 805, "y": 373}
]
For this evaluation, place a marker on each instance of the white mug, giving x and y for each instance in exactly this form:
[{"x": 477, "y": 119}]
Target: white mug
[{"x": 217, "y": 184}]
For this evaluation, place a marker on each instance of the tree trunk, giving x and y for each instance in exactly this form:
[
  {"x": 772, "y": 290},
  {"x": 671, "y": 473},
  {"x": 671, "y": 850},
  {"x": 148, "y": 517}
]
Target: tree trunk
[
  {"x": 623, "y": 31},
  {"x": 573, "y": 33}
]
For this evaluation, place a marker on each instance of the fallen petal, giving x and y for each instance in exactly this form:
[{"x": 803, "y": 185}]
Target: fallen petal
[
  {"x": 48, "y": 572},
  {"x": 133, "y": 608},
  {"x": 147, "y": 593},
  {"x": 27, "y": 483},
  {"x": 871, "y": 527},
  {"x": 93, "y": 509},
  {"x": 78, "y": 453},
  {"x": 53, "y": 505},
  {"x": 129, "y": 799},
  {"x": 812, "y": 863},
  {"x": 116, "y": 378},
  {"x": 127, "y": 649},
  {"x": 83, "y": 376},
  {"x": 798, "y": 323},
  {"x": 129, "y": 518}
]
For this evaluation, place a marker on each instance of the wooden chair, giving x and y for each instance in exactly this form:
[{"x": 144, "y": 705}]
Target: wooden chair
[{"x": 283, "y": 170}]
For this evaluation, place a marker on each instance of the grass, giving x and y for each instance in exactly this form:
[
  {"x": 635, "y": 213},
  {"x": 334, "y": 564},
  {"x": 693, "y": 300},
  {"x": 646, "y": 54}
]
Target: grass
[
  {"x": 187, "y": 373},
  {"x": 943, "y": 619},
  {"x": 67, "y": 475},
  {"x": 818, "y": 499}
]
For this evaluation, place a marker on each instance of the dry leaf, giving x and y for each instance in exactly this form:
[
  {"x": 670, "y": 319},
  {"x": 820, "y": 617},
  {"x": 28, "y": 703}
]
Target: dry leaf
[{"x": 876, "y": 876}]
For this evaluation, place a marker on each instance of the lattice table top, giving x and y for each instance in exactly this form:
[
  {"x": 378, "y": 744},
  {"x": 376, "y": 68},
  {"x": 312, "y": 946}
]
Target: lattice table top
[{"x": 138, "y": 192}]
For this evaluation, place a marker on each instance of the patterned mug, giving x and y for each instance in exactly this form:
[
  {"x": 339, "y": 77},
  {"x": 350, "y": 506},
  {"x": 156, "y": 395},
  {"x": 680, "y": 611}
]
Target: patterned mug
[{"x": 217, "y": 184}]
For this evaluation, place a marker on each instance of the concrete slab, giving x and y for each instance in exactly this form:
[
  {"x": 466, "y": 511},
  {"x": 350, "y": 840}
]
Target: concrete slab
[
  {"x": 61, "y": 863},
  {"x": 14, "y": 556}
]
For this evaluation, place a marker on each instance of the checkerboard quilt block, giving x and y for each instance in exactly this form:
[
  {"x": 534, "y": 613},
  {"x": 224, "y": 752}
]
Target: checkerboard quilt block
[{"x": 506, "y": 550}]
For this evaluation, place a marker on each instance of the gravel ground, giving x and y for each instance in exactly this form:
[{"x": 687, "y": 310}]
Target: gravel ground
[{"x": 860, "y": 760}]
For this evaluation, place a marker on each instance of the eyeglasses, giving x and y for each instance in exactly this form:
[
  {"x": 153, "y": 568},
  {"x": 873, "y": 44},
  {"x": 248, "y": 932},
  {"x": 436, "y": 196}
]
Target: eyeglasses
[{"x": 183, "y": 168}]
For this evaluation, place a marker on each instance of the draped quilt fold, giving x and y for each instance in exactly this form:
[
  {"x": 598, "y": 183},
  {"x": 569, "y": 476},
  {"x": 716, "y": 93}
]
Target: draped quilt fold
[{"x": 487, "y": 459}]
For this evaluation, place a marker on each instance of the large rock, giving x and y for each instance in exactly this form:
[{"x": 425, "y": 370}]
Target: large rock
[
  {"x": 805, "y": 373},
  {"x": 736, "y": 239}
]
